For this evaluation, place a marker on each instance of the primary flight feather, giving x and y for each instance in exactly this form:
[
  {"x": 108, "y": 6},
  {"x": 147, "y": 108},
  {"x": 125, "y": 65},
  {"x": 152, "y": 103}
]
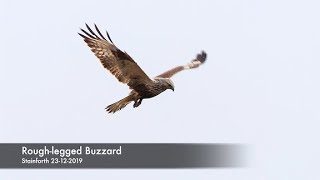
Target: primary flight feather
[{"x": 127, "y": 71}]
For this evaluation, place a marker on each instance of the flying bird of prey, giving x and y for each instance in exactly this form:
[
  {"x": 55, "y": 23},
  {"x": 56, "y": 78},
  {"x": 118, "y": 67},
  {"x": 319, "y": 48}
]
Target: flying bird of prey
[{"x": 127, "y": 71}]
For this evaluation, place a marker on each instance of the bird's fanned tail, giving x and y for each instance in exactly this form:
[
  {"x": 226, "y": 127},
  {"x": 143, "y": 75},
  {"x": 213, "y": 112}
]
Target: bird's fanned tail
[{"x": 120, "y": 104}]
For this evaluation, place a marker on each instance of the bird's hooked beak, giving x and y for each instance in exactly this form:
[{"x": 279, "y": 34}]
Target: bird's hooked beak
[{"x": 171, "y": 86}]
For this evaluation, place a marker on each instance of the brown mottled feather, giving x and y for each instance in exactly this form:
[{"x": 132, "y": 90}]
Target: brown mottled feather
[
  {"x": 200, "y": 59},
  {"x": 119, "y": 63}
]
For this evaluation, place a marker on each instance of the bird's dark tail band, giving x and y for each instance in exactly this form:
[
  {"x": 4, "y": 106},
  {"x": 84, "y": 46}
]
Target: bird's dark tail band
[{"x": 120, "y": 104}]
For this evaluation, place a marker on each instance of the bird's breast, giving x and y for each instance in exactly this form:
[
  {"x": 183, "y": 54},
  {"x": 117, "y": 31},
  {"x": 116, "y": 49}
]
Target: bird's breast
[{"x": 151, "y": 90}]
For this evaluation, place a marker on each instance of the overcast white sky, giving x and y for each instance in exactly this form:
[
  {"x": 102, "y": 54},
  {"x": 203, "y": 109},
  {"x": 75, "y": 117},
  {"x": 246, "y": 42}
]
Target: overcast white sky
[{"x": 260, "y": 84}]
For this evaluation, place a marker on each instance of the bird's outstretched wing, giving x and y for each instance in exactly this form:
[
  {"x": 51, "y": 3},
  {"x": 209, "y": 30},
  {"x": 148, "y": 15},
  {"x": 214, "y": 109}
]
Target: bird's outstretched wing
[
  {"x": 119, "y": 63},
  {"x": 200, "y": 59}
]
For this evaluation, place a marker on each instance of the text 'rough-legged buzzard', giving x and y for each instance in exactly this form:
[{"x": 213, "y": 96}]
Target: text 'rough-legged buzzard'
[{"x": 127, "y": 71}]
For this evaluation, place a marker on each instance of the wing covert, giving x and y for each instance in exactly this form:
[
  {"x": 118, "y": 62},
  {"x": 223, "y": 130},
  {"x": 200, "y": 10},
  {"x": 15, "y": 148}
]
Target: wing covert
[
  {"x": 119, "y": 63},
  {"x": 200, "y": 59}
]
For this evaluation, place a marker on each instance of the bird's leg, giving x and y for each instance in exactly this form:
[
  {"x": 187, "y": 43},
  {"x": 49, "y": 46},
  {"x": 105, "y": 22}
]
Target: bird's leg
[{"x": 137, "y": 102}]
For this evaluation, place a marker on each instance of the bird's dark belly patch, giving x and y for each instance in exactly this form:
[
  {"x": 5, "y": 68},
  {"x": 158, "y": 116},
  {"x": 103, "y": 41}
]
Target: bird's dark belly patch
[
  {"x": 147, "y": 94},
  {"x": 144, "y": 91}
]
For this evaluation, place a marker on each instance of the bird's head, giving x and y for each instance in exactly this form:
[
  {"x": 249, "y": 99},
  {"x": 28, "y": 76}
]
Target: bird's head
[{"x": 169, "y": 84}]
